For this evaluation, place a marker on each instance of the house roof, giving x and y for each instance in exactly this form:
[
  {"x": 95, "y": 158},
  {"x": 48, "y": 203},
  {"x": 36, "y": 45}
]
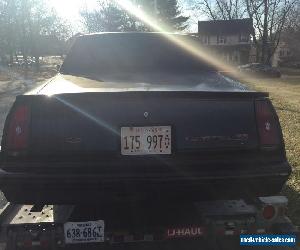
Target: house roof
[{"x": 234, "y": 26}]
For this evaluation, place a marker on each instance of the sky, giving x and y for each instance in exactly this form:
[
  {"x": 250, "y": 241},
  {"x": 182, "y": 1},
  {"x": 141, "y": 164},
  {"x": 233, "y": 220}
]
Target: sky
[{"x": 70, "y": 9}]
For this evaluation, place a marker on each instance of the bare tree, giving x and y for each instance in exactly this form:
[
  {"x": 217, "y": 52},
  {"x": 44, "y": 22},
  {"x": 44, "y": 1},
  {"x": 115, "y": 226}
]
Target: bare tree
[
  {"x": 222, "y": 9},
  {"x": 269, "y": 19},
  {"x": 291, "y": 33},
  {"x": 293, "y": 19},
  {"x": 108, "y": 17},
  {"x": 8, "y": 28},
  {"x": 24, "y": 24}
]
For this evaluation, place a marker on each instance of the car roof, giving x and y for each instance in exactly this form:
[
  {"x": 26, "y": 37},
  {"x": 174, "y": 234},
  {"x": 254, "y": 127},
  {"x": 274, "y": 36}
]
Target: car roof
[{"x": 137, "y": 34}]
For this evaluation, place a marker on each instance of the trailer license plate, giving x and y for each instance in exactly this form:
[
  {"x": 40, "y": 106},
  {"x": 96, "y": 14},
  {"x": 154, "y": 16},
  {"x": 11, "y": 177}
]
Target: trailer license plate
[
  {"x": 84, "y": 232},
  {"x": 146, "y": 140}
]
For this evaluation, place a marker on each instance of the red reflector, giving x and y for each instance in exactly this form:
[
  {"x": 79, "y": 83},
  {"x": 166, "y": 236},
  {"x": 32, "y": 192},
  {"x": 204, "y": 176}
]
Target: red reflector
[
  {"x": 44, "y": 243},
  {"x": 27, "y": 243},
  {"x": 267, "y": 123},
  {"x": 268, "y": 212},
  {"x": 17, "y": 133}
]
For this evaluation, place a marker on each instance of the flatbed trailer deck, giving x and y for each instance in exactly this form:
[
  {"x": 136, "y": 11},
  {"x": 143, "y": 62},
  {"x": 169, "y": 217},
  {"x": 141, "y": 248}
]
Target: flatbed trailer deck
[{"x": 208, "y": 224}]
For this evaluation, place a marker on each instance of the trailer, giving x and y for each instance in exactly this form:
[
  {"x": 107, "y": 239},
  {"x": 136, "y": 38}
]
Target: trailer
[{"x": 213, "y": 224}]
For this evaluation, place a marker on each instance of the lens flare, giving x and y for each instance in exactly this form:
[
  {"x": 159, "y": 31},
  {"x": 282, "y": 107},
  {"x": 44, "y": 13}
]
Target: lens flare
[
  {"x": 190, "y": 45},
  {"x": 86, "y": 114}
]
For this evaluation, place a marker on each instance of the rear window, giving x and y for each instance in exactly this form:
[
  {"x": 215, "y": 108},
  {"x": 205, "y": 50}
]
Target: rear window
[{"x": 129, "y": 53}]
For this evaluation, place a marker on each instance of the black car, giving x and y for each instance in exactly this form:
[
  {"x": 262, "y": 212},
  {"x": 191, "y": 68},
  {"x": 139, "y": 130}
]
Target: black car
[
  {"x": 133, "y": 117},
  {"x": 259, "y": 69}
]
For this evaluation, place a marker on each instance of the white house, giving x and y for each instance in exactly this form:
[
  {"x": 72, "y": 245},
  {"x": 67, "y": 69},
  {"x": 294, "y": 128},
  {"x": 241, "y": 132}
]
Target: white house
[{"x": 231, "y": 39}]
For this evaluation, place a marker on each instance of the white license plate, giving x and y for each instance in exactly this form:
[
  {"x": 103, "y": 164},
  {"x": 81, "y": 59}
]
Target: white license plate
[
  {"x": 146, "y": 140},
  {"x": 84, "y": 232}
]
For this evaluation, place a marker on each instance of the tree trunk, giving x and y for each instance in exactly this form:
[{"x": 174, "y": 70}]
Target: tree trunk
[
  {"x": 264, "y": 49},
  {"x": 269, "y": 56}
]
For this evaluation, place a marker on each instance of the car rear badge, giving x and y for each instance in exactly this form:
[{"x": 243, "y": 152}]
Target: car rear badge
[
  {"x": 73, "y": 140},
  {"x": 146, "y": 114},
  {"x": 18, "y": 130}
]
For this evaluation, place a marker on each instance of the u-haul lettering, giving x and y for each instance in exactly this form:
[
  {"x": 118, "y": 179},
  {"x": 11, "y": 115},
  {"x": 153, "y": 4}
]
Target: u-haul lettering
[{"x": 185, "y": 232}]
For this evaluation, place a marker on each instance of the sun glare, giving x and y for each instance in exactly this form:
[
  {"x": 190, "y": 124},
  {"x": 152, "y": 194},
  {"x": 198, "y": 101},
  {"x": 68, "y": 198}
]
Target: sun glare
[
  {"x": 70, "y": 9},
  {"x": 188, "y": 45}
]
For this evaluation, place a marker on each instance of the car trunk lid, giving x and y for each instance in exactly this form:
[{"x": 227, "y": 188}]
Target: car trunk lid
[{"x": 91, "y": 122}]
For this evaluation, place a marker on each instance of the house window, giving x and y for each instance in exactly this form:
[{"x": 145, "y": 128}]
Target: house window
[
  {"x": 244, "y": 38},
  {"x": 221, "y": 39},
  {"x": 236, "y": 58},
  {"x": 205, "y": 39}
]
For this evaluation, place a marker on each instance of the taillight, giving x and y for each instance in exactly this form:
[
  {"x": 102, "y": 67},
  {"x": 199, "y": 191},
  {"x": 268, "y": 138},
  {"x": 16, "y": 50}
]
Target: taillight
[
  {"x": 267, "y": 123},
  {"x": 18, "y": 129},
  {"x": 268, "y": 212}
]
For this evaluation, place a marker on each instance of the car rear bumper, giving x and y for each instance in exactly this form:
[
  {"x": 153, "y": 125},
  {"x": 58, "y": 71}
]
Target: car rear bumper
[{"x": 82, "y": 188}]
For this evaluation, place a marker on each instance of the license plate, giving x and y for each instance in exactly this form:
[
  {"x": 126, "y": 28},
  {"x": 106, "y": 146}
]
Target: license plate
[
  {"x": 84, "y": 232},
  {"x": 146, "y": 140}
]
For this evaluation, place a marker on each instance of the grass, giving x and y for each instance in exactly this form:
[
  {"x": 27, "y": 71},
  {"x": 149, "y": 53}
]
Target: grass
[
  {"x": 285, "y": 95},
  {"x": 290, "y": 71}
]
